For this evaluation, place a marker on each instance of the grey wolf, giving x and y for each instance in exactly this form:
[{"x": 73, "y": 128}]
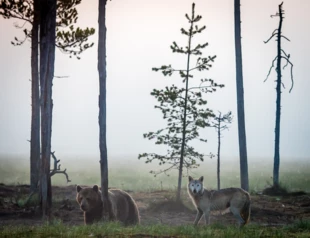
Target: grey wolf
[{"x": 236, "y": 200}]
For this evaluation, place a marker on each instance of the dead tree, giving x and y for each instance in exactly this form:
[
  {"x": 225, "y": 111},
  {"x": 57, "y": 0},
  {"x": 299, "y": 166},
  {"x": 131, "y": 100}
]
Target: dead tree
[
  {"x": 281, "y": 54},
  {"x": 219, "y": 125}
]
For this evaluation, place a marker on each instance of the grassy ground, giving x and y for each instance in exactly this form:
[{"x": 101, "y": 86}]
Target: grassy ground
[
  {"x": 57, "y": 229},
  {"x": 132, "y": 174}
]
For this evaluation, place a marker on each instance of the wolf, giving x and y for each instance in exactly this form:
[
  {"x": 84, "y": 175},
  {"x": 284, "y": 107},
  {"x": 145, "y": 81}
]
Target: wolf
[
  {"x": 123, "y": 206},
  {"x": 236, "y": 200}
]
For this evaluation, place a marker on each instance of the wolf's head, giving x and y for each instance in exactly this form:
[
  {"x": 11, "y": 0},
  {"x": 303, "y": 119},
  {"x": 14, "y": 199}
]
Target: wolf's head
[{"x": 195, "y": 186}]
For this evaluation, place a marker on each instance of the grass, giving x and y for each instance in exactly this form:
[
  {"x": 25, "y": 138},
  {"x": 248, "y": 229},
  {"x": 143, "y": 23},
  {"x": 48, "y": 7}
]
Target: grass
[
  {"x": 133, "y": 174},
  {"x": 24, "y": 200},
  {"x": 57, "y": 229},
  {"x": 301, "y": 225}
]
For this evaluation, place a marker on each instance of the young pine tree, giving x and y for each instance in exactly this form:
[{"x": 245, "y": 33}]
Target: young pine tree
[
  {"x": 184, "y": 108},
  {"x": 219, "y": 123}
]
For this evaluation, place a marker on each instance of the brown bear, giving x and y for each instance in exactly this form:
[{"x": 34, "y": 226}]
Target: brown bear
[{"x": 124, "y": 208}]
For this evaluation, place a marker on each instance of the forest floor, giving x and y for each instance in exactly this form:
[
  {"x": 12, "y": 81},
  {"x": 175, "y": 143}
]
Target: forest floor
[{"x": 155, "y": 207}]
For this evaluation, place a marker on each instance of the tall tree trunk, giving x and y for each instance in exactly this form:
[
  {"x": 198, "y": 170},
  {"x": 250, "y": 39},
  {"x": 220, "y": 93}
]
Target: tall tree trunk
[
  {"x": 107, "y": 215},
  {"x": 240, "y": 102},
  {"x": 178, "y": 197},
  {"x": 276, "y": 164},
  {"x": 219, "y": 153},
  {"x": 47, "y": 61},
  {"x": 35, "y": 101}
]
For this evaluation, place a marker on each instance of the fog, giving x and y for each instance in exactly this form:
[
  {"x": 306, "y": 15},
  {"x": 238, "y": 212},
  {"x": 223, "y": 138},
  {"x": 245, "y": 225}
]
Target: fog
[{"x": 139, "y": 34}]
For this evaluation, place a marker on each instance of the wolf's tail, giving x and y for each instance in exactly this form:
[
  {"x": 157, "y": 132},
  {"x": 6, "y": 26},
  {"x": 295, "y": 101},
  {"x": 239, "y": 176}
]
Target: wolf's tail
[{"x": 246, "y": 209}]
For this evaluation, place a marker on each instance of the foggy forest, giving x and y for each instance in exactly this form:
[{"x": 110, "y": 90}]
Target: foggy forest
[{"x": 154, "y": 118}]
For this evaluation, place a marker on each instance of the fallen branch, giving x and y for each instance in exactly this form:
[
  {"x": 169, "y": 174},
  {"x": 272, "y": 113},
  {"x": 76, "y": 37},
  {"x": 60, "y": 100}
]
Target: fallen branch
[{"x": 56, "y": 169}]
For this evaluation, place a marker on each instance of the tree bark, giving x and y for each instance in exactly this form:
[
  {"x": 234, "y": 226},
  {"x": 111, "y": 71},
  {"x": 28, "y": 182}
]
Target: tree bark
[
  {"x": 276, "y": 165},
  {"x": 178, "y": 197},
  {"x": 219, "y": 153},
  {"x": 107, "y": 215},
  {"x": 47, "y": 61},
  {"x": 240, "y": 102},
  {"x": 35, "y": 101}
]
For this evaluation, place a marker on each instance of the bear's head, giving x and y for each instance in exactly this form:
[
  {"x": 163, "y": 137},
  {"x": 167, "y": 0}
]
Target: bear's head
[{"x": 88, "y": 198}]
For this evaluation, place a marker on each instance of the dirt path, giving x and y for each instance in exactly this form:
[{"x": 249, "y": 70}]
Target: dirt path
[{"x": 271, "y": 211}]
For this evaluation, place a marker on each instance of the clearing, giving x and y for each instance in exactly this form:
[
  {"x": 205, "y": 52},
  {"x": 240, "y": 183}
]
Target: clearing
[{"x": 155, "y": 207}]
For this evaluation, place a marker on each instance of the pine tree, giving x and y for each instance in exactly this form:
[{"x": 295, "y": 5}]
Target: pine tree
[{"x": 184, "y": 108}]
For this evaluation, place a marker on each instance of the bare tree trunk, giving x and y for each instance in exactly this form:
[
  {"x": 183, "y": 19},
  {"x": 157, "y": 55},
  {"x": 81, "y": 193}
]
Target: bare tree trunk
[
  {"x": 47, "y": 61},
  {"x": 178, "y": 197},
  {"x": 240, "y": 102},
  {"x": 35, "y": 102},
  {"x": 276, "y": 165},
  {"x": 107, "y": 215},
  {"x": 219, "y": 153}
]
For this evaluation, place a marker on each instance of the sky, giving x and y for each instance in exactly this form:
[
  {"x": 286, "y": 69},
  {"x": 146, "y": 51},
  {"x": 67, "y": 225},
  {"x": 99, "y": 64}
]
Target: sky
[{"x": 139, "y": 35}]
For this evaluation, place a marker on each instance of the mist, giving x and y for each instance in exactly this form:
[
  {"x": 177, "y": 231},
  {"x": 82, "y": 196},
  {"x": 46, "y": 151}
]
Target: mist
[{"x": 139, "y": 35}]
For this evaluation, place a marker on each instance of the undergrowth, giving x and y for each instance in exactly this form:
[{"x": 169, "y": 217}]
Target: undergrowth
[{"x": 57, "y": 229}]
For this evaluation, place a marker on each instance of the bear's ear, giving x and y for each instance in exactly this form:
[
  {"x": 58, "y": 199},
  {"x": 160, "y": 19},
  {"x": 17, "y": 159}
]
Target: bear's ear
[
  {"x": 201, "y": 179},
  {"x": 95, "y": 188},
  {"x": 190, "y": 178},
  {"x": 78, "y": 188}
]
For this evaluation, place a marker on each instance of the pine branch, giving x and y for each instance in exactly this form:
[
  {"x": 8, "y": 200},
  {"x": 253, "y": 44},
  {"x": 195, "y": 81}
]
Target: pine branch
[
  {"x": 285, "y": 38},
  {"x": 289, "y": 62},
  {"x": 274, "y": 34}
]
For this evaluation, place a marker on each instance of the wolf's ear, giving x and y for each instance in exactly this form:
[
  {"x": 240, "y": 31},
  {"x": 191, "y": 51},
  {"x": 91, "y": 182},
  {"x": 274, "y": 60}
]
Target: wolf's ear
[
  {"x": 190, "y": 178},
  {"x": 95, "y": 188},
  {"x": 201, "y": 179},
  {"x": 78, "y": 188}
]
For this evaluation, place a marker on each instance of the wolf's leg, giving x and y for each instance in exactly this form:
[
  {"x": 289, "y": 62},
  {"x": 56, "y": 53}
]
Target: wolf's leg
[
  {"x": 207, "y": 217},
  {"x": 236, "y": 212},
  {"x": 198, "y": 216}
]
